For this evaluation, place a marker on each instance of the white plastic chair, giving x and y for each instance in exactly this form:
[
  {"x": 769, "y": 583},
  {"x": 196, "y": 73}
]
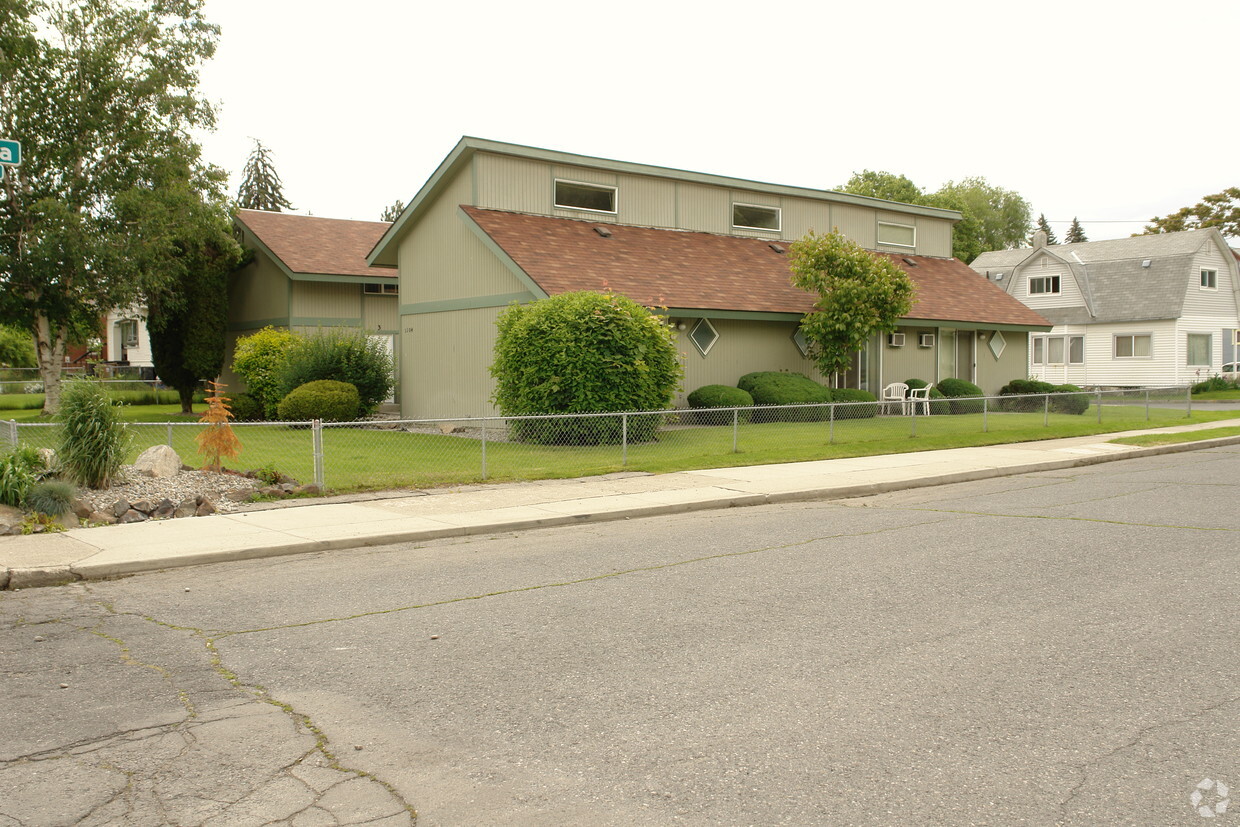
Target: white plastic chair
[
  {"x": 920, "y": 396},
  {"x": 896, "y": 393}
]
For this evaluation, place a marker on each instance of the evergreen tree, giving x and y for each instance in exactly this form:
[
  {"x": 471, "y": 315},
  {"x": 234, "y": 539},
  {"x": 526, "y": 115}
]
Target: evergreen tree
[
  {"x": 393, "y": 212},
  {"x": 1076, "y": 233},
  {"x": 261, "y": 188},
  {"x": 1045, "y": 226}
]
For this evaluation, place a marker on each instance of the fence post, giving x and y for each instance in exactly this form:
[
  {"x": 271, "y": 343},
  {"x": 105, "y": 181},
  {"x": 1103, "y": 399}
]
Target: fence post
[
  {"x": 1147, "y": 404},
  {"x": 985, "y": 414},
  {"x": 10, "y": 432},
  {"x": 624, "y": 437},
  {"x": 912, "y": 421},
  {"x": 316, "y": 442},
  {"x": 831, "y": 432},
  {"x": 169, "y": 434},
  {"x": 484, "y": 449},
  {"x": 736, "y": 418},
  {"x": 1098, "y": 401},
  {"x": 1046, "y": 410},
  {"x": 1188, "y": 405}
]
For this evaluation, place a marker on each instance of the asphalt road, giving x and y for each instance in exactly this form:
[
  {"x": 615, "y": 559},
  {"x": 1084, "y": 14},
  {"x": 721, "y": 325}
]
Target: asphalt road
[{"x": 1056, "y": 648}]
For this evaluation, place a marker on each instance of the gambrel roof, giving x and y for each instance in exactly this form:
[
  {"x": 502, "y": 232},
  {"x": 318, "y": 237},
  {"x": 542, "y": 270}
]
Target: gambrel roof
[
  {"x": 683, "y": 270},
  {"x": 1114, "y": 279}
]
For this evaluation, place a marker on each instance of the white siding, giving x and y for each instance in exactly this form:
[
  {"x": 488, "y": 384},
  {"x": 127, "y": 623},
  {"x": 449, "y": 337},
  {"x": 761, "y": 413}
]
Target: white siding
[
  {"x": 1211, "y": 311},
  {"x": 1069, "y": 290}
]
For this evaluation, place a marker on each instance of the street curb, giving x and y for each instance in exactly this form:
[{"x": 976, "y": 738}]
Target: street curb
[{"x": 21, "y": 578}]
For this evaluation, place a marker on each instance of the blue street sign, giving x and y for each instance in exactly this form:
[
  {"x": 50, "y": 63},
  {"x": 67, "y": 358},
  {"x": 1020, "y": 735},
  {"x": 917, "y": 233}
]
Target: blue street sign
[{"x": 10, "y": 152}]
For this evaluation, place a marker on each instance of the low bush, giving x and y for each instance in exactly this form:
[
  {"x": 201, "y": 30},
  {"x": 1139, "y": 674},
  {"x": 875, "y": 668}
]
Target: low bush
[
  {"x": 324, "y": 399},
  {"x": 778, "y": 388},
  {"x": 854, "y": 411},
  {"x": 246, "y": 408},
  {"x": 1023, "y": 390},
  {"x": 1069, "y": 399},
  {"x": 93, "y": 439},
  {"x": 962, "y": 395},
  {"x": 51, "y": 497},
  {"x": 344, "y": 356},
  {"x": 719, "y": 396},
  {"x": 260, "y": 359},
  {"x": 1215, "y": 383}
]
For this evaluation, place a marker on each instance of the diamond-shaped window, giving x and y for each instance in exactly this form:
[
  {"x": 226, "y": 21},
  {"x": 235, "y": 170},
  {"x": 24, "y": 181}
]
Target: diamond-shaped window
[
  {"x": 801, "y": 342},
  {"x": 997, "y": 343},
  {"x": 704, "y": 336}
]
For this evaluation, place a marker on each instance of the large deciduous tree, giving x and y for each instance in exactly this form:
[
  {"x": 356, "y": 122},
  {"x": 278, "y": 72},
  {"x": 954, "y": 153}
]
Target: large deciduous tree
[
  {"x": 261, "y": 187},
  {"x": 102, "y": 94},
  {"x": 1220, "y": 210},
  {"x": 888, "y": 185},
  {"x": 859, "y": 293}
]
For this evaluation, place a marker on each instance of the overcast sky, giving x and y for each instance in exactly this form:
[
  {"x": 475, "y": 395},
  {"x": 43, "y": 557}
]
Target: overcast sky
[{"x": 1110, "y": 111}]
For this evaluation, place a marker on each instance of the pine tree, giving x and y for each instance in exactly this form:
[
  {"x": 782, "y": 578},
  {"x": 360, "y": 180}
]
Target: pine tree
[
  {"x": 1076, "y": 233},
  {"x": 1045, "y": 226},
  {"x": 261, "y": 188},
  {"x": 393, "y": 212}
]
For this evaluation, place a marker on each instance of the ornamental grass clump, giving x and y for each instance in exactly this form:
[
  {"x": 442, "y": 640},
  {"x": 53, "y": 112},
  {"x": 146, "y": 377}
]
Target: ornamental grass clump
[
  {"x": 51, "y": 497},
  {"x": 217, "y": 439},
  {"x": 93, "y": 439}
]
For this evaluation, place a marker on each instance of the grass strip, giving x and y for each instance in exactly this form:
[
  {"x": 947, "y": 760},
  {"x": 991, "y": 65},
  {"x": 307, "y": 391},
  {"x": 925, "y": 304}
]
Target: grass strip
[{"x": 1148, "y": 440}]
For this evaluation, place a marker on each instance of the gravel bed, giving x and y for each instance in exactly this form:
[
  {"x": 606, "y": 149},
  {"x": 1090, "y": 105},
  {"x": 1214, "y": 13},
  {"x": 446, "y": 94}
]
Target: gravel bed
[{"x": 133, "y": 486}]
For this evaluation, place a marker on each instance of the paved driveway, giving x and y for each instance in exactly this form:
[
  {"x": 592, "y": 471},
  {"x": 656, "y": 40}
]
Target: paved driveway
[{"x": 1050, "y": 648}]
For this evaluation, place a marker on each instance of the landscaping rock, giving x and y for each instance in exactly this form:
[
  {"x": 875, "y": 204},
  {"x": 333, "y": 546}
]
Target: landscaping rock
[
  {"x": 102, "y": 517},
  {"x": 309, "y": 489},
  {"x": 119, "y": 508},
  {"x": 132, "y": 516},
  {"x": 204, "y": 508},
  {"x": 271, "y": 491},
  {"x": 163, "y": 509},
  {"x": 287, "y": 487},
  {"x": 158, "y": 461},
  {"x": 187, "y": 508},
  {"x": 240, "y": 495},
  {"x": 48, "y": 456},
  {"x": 81, "y": 508},
  {"x": 145, "y": 506},
  {"x": 449, "y": 428},
  {"x": 10, "y": 516}
]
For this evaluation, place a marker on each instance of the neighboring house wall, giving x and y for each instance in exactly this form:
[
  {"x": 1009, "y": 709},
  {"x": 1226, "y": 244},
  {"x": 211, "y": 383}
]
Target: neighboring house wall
[
  {"x": 258, "y": 295},
  {"x": 128, "y": 339}
]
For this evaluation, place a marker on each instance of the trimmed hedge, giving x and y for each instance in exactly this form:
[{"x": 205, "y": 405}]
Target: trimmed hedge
[
  {"x": 1069, "y": 399},
  {"x": 246, "y": 408},
  {"x": 344, "y": 355},
  {"x": 771, "y": 387},
  {"x": 1021, "y": 387},
  {"x": 324, "y": 399},
  {"x": 962, "y": 395},
  {"x": 719, "y": 396}
]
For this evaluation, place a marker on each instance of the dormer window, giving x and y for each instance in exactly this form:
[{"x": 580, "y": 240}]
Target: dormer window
[
  {"x": 576, "y": 195},
  {"x": 1209, "y": 279},
  {"x": 897, "y": 235},
  {"x": 1044, "y": 286},
  {"x": 755, "y": 217}
]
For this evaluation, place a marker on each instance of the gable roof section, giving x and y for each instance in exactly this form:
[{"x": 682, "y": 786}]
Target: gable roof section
[
  {"x": 701, "y": 271},
  {"x": 306, "y": 245},
  {"x": 1116, "y": 286},
  {"x": 384, "y": 252}
]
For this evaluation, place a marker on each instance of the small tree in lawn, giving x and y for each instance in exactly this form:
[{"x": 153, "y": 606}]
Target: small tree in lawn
[
  {"x": 859, "y": 293},
  {"x": 217, "y": 439}
]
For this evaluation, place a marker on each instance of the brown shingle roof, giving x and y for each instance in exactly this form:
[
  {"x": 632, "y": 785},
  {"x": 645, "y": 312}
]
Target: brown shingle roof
[
  {"x": 320, "y": 246},
  {"x": 701, "y": 271}
]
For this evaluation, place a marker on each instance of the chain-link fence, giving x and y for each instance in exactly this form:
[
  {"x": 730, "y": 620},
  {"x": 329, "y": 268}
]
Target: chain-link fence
[{"x": 423, "y": 453}]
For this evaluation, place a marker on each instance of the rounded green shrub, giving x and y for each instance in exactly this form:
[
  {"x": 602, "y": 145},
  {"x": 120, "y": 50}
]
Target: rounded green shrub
[
  {"x": 324, "y": 399},
  {"x": 345, "y": 356},
  {"x": 868, "y": 409},
  {"x": 1069, "y": 399},
  {"x": 578, "y": 353},
  {"x": 1024, "y": 390},
  {"x": 962, "y": 395},
  {"x": 93, "y": 440},
  {"x": 259, "y": 359},
  {"x": 770, "y": 387},
  {"x": 720, "y": 396},
  {"x": 246, "y": 408},
  {"x": 51, "y": 497}
]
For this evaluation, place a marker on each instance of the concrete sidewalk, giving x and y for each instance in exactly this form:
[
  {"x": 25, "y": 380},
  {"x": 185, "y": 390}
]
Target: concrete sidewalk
[{"x": 412, "y": 516}]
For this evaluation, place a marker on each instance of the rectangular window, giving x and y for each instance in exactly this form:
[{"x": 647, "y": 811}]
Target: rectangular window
[
  {"x": 381, "y": 289},
  {"x": 1044, "y": 286},
  {"x": 1135, "y": 346},
  {"x": 1199, "y": 349},
  {"x": 1076, "y": 350},
  {"x": 1054, "y": 350},
  {"x": 755, "y": 217},
  {"x": 1039, "y": 350},
  {"x": 1209, "y": 279},
  {"x": 574, "y": 195},
  {"x": 897, "y": 235},
  {"x": 129, "y": 333}
]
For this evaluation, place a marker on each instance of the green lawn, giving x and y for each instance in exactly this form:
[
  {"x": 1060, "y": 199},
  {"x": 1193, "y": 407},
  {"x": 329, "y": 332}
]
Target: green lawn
[
  {"x": 368, "y": 458},
  {"x": 1146, "y": 440},
  {"x": 1217, "y": 396}
]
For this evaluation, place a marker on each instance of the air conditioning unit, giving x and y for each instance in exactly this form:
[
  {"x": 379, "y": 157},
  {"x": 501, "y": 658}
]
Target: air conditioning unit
[
  {"x": 895, "y": 340},
  {"x": 925, "y": 340}
]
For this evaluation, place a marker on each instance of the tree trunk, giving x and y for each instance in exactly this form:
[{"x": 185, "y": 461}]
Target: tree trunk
[
  {"x": 50, "y": 351},
  {"x": 187, "y": 399}
]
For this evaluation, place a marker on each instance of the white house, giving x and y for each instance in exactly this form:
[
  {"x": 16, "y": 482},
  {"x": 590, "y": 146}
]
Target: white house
[
  {"x": 128, "y": 342},
  {"x": 1143, "y": 311}
]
